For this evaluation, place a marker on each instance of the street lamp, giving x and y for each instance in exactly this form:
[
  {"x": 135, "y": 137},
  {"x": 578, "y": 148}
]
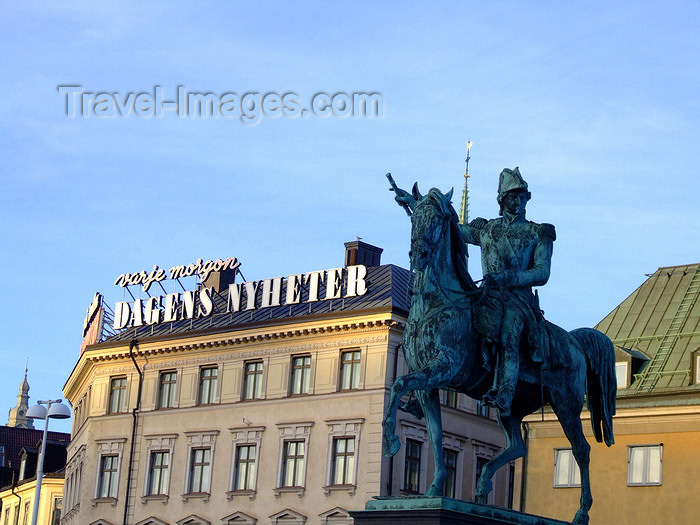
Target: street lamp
[{"x": 54, "y": 409}]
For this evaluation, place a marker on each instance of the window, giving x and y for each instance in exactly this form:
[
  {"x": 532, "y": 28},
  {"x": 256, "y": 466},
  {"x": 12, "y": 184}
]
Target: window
[
  {"x": 25, "y": 520},
  {"x": 117, "y": 395},
  {"x": 200, "y": 470},
  {"x": 451, "y": 466},
  {"x": 159, "y": 472},
  {"x": 15, "y": 520},
  {"x": 411, "y": 479},
  {"x": 482, "y": 409},
  {"x": 697, "y": 368},
  {"x": 56, "y": 511},
  {"x": 244, "y": 476},
  {"x": 253, "y": 380},
  {"x": 350, "y": 370},
  {"x": 22, "y": 467},
  {"x": 343, "y": 461},
  {"x": 208, "y": 382},
  {"x": 621, "y": 374},
  {"x": 301, "y": 375},
  {"x": 644, "y": 465},
  {"x": 2, "y": 456},
  {"x": 293, "y": 464},
  {"x": 449, "y": 397},
  {"x": 166, "y": 395},
  {"x": 6, "y": 521},
  {"x": 566, "y": 470},
  {"x": 108, "y": 477}
]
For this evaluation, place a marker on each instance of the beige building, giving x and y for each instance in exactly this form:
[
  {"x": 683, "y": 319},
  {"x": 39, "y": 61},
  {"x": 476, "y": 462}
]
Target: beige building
[
  {"x": 18, "y": 501},
  {"x": 264, "y": 408},
  {"x": 650, "y": 475}
]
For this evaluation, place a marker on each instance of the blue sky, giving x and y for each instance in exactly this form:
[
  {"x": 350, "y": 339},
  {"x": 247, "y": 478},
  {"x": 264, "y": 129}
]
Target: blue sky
[{"x": 598, "y": 103}]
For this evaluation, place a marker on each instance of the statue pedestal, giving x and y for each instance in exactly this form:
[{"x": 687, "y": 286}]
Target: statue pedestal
[{"x": 441, "y": 511}]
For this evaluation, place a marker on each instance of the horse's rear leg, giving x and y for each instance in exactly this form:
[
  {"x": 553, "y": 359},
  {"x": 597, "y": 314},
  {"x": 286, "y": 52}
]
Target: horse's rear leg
[
  {"x": 430, "y": 401},
  {"x": 423, "y": 379},
  {"x": 515, "y": 448},
  {"x": 570, "y": 420}
]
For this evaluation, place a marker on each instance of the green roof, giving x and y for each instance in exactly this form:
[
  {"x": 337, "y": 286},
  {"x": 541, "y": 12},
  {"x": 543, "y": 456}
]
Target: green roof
[{"x": 660, "y": 319}]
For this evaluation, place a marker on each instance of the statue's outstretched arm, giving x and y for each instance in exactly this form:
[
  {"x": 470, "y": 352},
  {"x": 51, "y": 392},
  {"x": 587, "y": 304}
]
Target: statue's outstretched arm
[{"x": 403, "y": 198}]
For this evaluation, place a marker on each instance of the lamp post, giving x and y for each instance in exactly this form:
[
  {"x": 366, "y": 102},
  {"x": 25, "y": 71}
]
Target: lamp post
[{"x": 54, "y": 409}]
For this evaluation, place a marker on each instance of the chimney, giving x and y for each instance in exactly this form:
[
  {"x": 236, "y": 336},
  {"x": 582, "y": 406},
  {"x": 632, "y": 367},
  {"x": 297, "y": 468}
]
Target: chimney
[
  {"x": 221, "y": 280},
  {"x": 358, "y": 252}
]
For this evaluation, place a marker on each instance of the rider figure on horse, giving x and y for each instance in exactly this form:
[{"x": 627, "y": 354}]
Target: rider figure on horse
[{"x": 515, "y": 256}]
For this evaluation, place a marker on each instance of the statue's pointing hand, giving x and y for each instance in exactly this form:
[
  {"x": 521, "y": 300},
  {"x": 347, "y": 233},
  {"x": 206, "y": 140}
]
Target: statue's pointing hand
[{"x": 403, "y": 197}]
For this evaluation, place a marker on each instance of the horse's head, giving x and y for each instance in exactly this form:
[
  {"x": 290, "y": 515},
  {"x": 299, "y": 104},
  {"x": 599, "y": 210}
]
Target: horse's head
[{"x": 430, "y": 221}]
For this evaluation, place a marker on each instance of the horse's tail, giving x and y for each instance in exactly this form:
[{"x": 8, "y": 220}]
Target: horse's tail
[{"x": 601, "y": 383}]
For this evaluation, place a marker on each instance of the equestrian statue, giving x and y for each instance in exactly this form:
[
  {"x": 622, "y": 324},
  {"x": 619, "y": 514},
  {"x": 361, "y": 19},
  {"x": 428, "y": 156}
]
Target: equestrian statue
[{"x": 492, "y": 342}]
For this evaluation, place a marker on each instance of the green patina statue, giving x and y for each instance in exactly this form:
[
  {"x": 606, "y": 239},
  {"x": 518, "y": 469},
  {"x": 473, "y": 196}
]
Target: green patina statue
[
  {"x": 515, "y": 255},
  {"x": 492, "y": 342}
]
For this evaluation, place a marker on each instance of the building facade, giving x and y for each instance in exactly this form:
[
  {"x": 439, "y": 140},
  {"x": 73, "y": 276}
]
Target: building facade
[
  {"x": 650, "y": 475},
  {"x": 264, "y": 406}
]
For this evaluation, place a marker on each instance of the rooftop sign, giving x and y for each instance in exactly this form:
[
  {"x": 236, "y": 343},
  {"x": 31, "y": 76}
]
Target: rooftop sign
[
  {"x": 200, "y": 268},
  {"x": 311, "y": 287}
]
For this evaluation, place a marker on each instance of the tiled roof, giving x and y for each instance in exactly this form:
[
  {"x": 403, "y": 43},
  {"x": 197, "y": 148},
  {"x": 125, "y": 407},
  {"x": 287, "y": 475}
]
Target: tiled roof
[
  {"x": 661, "y": 319},
  {"x": 15, "y": 439},
  {"x": 387, "y": 288}
]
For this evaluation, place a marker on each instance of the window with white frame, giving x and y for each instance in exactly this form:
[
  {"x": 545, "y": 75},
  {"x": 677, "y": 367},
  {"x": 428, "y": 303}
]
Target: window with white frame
[
  {"x": 167, "y": 389},
  {"x": 158, "y": 472},
  {"x": 451, "y": 467},
  {"x": 117, "y": 395},
  {"x": 253, "y": 380},
  {"x": 412, "y": 466},
  {"x": 15, "y": 520},
  {"x": 644, "y": 465},
  {"x": 74, "y": 468},
  {"x": 343, "y": 452},
  {"x": 200, "y": 458},
  {"x": 200, "y": 471},
  {"x": 159, "y": 451},
  {"x": 109, "y": 454},
  {"x": 244, "y": 468},
  {"x": 208, "y": 383},
  {"x": 109, "y": 476},
  {"x": 2, "y": 456},
  {"x": 566, "y": 470},
  {"x": 301, "y": 375},
  {"x": 449, "y": 397},
  {"x": 294, "y": 446},
  {"x": 350, "y": 361},
  {"x": 343, "y": 461},
  {"x": 246, "y": 442},
  {"x": 56, "y": 511},
  {"x": 621, "y": 374},
  {"x": 293, "y": 464},
  {"x": 697, "y": 368}
]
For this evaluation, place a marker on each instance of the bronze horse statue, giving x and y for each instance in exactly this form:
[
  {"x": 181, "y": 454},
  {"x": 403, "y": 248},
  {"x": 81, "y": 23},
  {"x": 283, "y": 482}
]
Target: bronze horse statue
[{"x": 442, "y": 350}]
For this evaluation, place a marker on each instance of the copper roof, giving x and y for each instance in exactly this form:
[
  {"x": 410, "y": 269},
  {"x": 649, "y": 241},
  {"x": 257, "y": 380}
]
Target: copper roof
[{"x": 661, "y": 319}]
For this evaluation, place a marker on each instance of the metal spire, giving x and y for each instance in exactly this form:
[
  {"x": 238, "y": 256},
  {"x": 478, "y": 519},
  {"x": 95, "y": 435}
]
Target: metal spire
[{"x": 464, "y": 210}]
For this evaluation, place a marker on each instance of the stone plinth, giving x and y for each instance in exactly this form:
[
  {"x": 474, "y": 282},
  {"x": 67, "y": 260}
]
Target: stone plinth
[{"x": 441, "y": 511}]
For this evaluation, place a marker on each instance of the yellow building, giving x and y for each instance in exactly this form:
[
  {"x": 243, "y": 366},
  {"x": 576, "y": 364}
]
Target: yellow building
[
  {"x": 17, "y": 502},
  {"x": 258, "y": 402},
  {"x": 650, "y": 475}
]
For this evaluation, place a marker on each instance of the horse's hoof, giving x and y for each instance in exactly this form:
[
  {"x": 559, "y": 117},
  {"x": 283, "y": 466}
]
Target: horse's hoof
[
  {"x": 392, "y": 445},
  {"x": 480, "y": 499}
]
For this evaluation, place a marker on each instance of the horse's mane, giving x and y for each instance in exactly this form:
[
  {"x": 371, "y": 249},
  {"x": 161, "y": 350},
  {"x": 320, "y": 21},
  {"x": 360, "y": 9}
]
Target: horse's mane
[{"x": 458, "y": 247}]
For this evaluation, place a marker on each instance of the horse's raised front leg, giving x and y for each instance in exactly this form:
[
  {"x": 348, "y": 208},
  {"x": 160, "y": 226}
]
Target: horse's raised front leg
[
  {"x": 515, "y": 448},
  {"x": 430, "y": 401},
  {"x": 423, "y": 379}
]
